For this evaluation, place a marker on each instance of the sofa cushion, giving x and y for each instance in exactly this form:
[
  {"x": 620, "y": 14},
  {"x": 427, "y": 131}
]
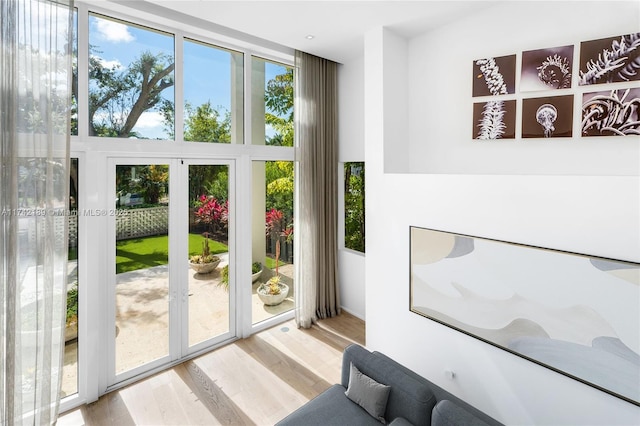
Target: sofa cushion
[
  {"x": 400, "y": 421},
  {"x": 446, "y": 413},
  {"x": 367, "y": 393},
  {"x": 330, "y": 408},
  {"x": 410, "y": 395}
]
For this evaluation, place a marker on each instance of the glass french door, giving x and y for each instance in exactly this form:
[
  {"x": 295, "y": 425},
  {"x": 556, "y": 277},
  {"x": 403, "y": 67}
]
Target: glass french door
[
  {"x": 171, "y": 223},
  {"x": 208, "y": 296}
]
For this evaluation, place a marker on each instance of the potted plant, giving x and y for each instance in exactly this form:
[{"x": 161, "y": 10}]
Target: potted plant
[
  {"x": 214, "y": 215},
  {"x": 274, "y": 291},
  {"x": 71, "y": 323},
  {"x": 256, "y": 271},
  {"x": 205, "y": 262}
]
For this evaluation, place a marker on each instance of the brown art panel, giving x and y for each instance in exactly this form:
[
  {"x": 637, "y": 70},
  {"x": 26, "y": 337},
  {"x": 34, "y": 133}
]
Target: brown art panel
[
  {"x": 494, "y": 76},
  {"x": 547, "y": 69},
  {"x": 611, "y": 113},
  {"x": 610, "y": 60},
  {"x": 494, "y": 120},
  {"x": 547, "y": 117}
]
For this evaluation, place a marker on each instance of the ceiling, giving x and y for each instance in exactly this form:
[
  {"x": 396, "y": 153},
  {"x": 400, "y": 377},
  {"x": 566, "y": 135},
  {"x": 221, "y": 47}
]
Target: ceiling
[{"x": 337, "y": 27}]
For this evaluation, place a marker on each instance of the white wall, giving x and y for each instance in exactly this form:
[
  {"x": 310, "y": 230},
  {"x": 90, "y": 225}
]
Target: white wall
[
  {"x": 351, "y": 148},
  {"x": 440, "y": 74},
  {"x": 592, "y": 213}
]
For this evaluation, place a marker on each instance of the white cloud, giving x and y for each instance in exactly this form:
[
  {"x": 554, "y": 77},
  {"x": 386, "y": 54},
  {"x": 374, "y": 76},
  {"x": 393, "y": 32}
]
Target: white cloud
[
  {"x": 149, "y": 125},
  {"x": 149, "y": 120},
  {"x": 109, "y": 64},
  {"x": 113, "y": 31}
]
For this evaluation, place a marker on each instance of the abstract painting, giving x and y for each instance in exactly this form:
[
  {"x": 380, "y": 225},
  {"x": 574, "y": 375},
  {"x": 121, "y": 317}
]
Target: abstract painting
[{"x": 573, "y": 313}]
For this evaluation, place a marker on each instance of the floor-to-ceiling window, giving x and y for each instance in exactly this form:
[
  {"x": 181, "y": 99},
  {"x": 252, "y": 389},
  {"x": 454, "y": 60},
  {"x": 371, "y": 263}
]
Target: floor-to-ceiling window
[
  {"x": 183, "y": 141},
  {"x": 273, "y": 189}
]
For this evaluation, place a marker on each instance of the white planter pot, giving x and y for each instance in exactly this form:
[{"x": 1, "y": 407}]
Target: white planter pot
[
  {"x": 204, "y": 268},
  {"x": 273, "y": 299},
  {"x": 255, "y": 277}
]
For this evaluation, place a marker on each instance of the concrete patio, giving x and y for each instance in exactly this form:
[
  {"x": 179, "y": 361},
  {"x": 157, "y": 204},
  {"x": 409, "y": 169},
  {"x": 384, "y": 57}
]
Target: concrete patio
[{"x": 142, "y": 318}]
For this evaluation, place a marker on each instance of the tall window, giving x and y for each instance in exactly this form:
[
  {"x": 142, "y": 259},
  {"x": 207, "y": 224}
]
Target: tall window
[
  {"x": 131, "y": 77},
  {"x": 354, "y": 206},
  {"x": 74, "y": 69},
  {"x": 69, "y": 384},
  {"x": 273, "y": 228},
  {"x": 272, "y": 102},
  {"x": 213, "y": 91},
  {"x": 137, "y": 90}
]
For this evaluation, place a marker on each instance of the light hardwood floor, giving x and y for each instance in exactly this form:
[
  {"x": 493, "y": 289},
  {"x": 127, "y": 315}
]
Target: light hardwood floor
[{"x": 254, "y": 381}]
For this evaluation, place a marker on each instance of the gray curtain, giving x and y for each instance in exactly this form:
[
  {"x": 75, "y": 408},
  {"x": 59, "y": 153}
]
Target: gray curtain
[
  {"x": 35, "y": 76},
  {"x": 316, "y": 118}
]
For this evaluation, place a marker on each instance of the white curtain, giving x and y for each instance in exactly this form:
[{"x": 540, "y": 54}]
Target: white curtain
[
  {"x": 35, "y": 77},
  {"x": 316, "y": 113}
]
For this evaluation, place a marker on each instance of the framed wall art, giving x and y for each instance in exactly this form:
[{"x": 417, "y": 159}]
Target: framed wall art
[
  {"x": 495, "y": 119},
  {"x": 547, "y": 117},
  {"x": 572, "y": 313},
  {"x": 612, "y": 64},
  {"x": 610, "y": 60},
  {"x": 611, "y": 113},
  {"x": 546, "y": 69}
]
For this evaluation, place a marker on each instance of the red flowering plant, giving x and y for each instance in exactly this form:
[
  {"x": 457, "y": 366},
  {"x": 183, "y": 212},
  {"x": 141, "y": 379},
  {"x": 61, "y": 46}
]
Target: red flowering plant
[
  {"x": 276, "y": 227},
  {"x": 215, "y": 216}
]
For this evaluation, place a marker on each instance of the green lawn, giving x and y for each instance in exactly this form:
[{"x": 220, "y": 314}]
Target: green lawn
[
  {"x": 271, "y": 263},
  {"x": 140, "y": 253}
]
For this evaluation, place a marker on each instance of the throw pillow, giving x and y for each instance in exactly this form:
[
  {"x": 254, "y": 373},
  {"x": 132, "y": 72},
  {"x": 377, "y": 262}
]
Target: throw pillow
[{"x": 367, "y": 393}]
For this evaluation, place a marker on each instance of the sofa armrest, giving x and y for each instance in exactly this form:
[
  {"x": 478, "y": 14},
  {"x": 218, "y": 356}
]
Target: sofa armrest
[
  {"x": 400, "y": 421},
  {"x": 446, "y": 413}
]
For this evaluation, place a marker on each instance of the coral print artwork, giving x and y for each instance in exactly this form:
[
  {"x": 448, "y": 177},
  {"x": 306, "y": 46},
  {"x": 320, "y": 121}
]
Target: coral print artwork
[
  {"x": 610, "y": 60},
  {"x": 548, "y": 117},
  {"x": 494, "y": 76},
  {"x": 494, "y": 120},
  {"x": 611, "y": 113},
  {"x": 546, "y": 69}
]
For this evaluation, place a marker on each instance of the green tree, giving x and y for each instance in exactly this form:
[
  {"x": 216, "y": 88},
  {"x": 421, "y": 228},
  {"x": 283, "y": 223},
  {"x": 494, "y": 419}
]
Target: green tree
[
  {"x": 354, "y": 217},
  {"x": 279, "y": 115},
  {"x": 206, "y": 124},
  {"x": 278, "y": 98},
  {"x": 279, "y": 180},
  {"x": 117, "y": 97},
  {"x": 208, "y": 180},
  {"x": 153, "y": 182}
]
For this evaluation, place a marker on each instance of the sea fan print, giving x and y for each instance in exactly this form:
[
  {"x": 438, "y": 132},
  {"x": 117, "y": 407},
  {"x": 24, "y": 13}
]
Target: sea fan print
[
  {"x": 494, "y": 119},
  {"x": 611, "y": 113},
  {"x": 619, "y": 62},
  {"x": 492, "y": 123},
  {"x": 555, "y": 71},
  {"x": 493, "y": 78}
]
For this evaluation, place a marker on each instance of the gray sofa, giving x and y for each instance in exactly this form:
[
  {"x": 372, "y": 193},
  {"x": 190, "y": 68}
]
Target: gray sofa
[{"x": 412, "y": 400}]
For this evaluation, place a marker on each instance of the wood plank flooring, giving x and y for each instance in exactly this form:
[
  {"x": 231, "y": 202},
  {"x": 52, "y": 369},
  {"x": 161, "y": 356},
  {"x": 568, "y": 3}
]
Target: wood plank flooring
[{"x": 254, "y": 381}]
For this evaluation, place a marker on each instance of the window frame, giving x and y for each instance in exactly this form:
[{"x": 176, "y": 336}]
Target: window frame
[{"x": 93, "y": 153}]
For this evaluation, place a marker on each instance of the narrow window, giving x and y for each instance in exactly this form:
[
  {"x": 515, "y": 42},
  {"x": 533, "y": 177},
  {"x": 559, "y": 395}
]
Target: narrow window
[
  {"x": 272, "y": 100},
  {"x": 354, "y": 206},
  {"x": 213, "y": 93}
]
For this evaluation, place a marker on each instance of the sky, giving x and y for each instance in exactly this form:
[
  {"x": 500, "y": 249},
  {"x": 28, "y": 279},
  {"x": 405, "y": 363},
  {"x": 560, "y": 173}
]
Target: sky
[{"x": 207, "y": 70}]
